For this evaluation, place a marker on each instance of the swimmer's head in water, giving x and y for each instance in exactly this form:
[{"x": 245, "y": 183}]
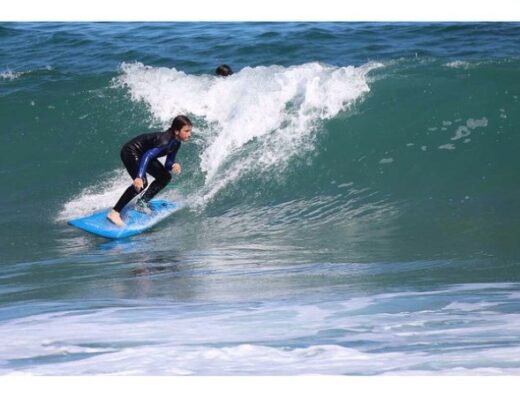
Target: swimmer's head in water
[{"x": 223, "y": 70}]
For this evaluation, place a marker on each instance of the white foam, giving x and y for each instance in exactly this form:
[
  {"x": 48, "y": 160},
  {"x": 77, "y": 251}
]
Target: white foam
[
  {"x": 458, "y": 65},
  {"x": 259, "y": 340},
  {"x": 10, "y": 75},
  {"x": 448, "y": 146},
  {"x": 476, "y": 123},
  {"x": 461, "y": 132},
  {"x": 463, "y": 306},
  {"x": 442, "y": 331},
  {"x": 253, "y": 120},
  {"x": 465, "y": 130},
  {"x": 101, "y": 195}
]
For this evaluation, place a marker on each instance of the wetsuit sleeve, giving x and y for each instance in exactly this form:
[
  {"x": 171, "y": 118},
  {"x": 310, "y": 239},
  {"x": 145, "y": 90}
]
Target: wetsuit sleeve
[
  {"x": 170, "y": 160},
  {"x": 148, "y": 155}
]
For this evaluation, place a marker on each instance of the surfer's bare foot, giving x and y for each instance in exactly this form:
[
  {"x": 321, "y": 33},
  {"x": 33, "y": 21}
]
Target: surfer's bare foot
[{"x": 114, "y": 217}]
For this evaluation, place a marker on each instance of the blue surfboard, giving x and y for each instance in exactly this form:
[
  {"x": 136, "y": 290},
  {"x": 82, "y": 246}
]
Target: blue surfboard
[{"x": 136, "y": 222}]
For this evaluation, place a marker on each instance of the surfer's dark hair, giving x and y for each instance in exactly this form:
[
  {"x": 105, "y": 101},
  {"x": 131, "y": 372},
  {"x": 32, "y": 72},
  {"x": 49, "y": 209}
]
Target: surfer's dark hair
[
  {"x": 223, "y": 70},
  {"x": 179, "y": 122}
]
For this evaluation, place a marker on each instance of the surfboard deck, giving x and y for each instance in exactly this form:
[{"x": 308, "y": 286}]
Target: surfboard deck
[{"x": 136, "y": 222}]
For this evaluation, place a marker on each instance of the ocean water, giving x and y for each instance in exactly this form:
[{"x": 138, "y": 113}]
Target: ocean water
[{"x": 350, "y": 199}]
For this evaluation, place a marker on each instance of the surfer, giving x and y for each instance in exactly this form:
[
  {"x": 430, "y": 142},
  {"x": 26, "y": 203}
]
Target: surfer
[
  {"x": 223, "y": 70},
  {"x": 139, "y": 155}
]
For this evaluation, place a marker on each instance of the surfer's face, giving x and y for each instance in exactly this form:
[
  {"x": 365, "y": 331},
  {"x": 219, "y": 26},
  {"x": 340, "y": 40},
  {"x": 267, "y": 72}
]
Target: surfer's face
[{"x": 184, "y": 134}]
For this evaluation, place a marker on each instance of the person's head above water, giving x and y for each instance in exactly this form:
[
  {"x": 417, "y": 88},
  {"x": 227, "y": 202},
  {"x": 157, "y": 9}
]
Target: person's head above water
[
  {"x": 181, "y": 128},
  {"x": 223, "y": 70}
]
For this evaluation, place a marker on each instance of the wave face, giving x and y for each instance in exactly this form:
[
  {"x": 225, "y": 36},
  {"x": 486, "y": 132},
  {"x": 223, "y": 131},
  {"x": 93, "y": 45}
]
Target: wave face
[
  {"x": 417, "y": 148},
  {"x": 356, "y": 180}
]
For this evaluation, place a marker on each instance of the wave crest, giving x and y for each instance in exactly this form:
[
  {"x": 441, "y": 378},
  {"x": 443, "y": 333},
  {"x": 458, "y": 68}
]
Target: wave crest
[{"x": 251, "y": 121}]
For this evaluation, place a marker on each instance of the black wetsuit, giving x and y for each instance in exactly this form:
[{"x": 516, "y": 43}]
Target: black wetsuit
[{"x": 140, "y": 155}]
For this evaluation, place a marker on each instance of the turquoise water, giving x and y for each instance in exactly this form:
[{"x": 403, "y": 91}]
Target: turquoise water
[{"x": 349, "y": 199}]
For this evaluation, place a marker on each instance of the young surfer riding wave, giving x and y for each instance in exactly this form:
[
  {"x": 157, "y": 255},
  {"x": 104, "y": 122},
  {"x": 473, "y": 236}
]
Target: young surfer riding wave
[{"x": 140, "y": 156}]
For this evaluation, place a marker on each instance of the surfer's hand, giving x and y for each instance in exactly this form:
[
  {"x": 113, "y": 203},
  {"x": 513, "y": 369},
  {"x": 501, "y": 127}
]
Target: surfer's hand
[
  {"x": 176, "y": 168},
  {"x": 138, "y": 184}
]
